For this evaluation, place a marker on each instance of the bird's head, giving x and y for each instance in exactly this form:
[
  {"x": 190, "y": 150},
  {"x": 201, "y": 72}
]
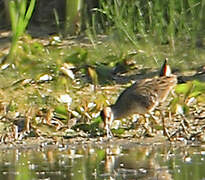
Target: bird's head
[
  {"x": 108, "y": 117},
  {"x": 165, "y": 69}
]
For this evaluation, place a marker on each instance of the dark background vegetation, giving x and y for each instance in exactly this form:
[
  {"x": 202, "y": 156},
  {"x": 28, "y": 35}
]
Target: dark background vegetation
[{"x": 142, "y": 17}]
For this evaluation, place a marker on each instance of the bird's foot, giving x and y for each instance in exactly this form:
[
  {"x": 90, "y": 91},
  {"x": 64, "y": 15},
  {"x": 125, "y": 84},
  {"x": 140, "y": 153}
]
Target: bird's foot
[{"x": 109, "y": 133}]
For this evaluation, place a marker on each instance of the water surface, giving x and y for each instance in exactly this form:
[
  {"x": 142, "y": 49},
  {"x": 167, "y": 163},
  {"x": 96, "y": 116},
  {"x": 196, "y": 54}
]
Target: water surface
[{"x": 117, "y": 159}]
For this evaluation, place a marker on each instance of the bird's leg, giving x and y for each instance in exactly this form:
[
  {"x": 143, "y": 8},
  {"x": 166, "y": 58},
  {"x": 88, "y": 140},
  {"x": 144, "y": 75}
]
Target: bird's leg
[
  {"x": 146, "y": 124},
  {"x": 165, "y": 130},
  {"x": 108, "y": 119},
  {"x": 156, "y": 120},
  {"x": 108, "y": 131},
  {"x": 107, "y": 125},
  {"x": 162, "y": 117},
  {"x": 184, "y": 124}
]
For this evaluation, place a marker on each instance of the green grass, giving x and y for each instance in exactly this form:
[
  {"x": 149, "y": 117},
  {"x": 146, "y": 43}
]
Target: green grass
[
  {"x": 20, "y": 16},
  {"x": 160, "y": 21}
]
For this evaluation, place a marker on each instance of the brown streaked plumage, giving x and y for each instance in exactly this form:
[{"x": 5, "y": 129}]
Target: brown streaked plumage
[{"x": 140, "y": 98}]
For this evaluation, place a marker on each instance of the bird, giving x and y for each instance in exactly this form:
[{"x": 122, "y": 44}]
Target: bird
[{"x": 140, "y": 98}]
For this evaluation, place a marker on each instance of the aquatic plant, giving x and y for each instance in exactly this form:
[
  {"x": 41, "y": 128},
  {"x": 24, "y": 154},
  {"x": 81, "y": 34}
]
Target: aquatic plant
[{"x": 20, "y": 16}]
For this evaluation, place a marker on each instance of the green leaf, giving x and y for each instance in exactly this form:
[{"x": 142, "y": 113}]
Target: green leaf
[
  {"x": 61, "y": 109},
  {"x": 93, "y": 75},
  {"x": 186, "y": 109},
  {"x": 61, "y": 116},
  {"x": 96, "y": 123},
  {"x": 13, "y": 16},
  {"x": 78, "y": 57},
  {"x": 195, "y": 94},
  {"x": 183, "y": 88},
  {"x": 201, "y": 98},
  {"x": 29, "y": 13},
  {"x": 199, "y": 86},
  {"x": 118, "y": 131},
  {"x": 173, "y": 104},
  {"x": 21, "y": 12},
  {"x": 97, "y": 120},
  {"x": 191, "y": 89},
  {"x": 36, "y": 48}
]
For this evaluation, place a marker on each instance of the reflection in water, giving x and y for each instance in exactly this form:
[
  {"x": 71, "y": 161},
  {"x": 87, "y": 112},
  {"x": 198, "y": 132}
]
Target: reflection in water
[
  {"x": 110, "y": 161},
  {"x": 134, "y": 163}
]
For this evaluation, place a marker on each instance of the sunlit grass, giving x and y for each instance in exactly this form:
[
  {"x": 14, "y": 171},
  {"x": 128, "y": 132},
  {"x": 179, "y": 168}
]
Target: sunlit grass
[
  {"x": 93, "y": 67},
  {"x": 20, "y": 16}
]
